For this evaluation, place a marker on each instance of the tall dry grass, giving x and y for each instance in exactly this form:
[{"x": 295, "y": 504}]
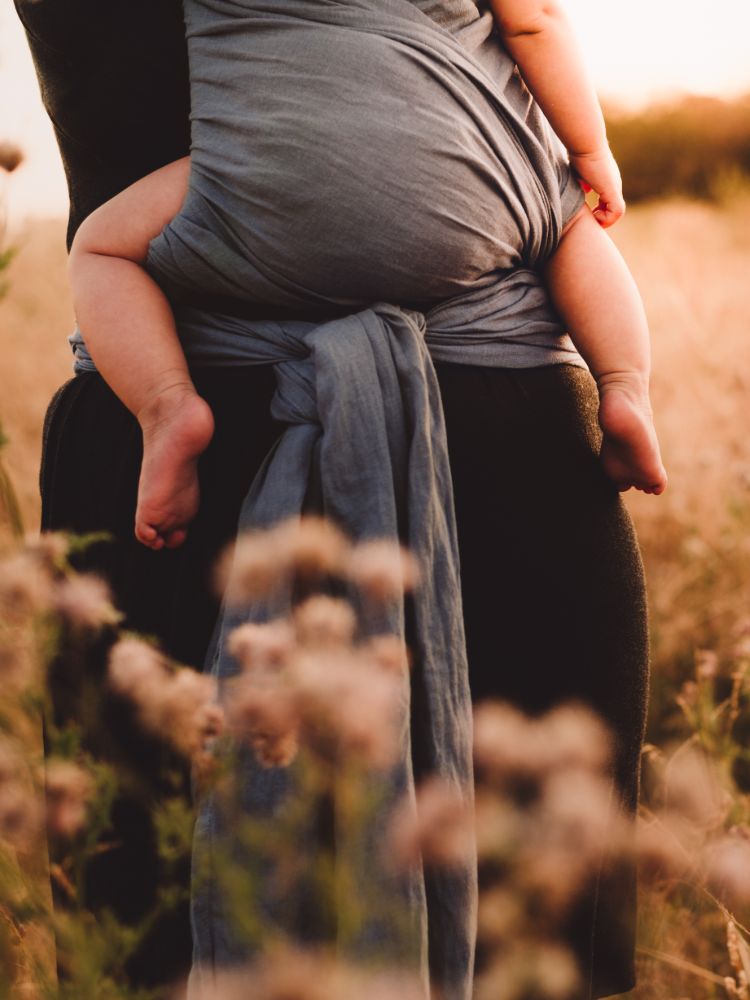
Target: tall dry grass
[{"x": 35, "y": 317}]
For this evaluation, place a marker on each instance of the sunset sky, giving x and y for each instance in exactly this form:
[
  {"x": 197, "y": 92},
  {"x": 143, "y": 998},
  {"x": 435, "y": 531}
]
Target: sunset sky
[{"x": 637, "y": 50}]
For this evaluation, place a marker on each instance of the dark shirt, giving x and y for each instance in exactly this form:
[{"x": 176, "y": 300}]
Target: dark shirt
[{"x": 114, "y": 80}]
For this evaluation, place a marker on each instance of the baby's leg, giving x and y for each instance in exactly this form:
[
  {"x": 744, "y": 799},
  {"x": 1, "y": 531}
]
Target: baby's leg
[
  {"x": 597, "y": 299},
  {"x": 129, "y": 330}
]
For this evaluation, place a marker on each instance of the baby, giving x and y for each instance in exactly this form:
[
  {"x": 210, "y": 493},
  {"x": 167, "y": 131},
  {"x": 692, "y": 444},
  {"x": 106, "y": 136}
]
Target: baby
[{"x": 130, "y": 331}]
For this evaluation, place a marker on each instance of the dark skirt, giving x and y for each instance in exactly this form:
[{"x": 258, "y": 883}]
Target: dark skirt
[{"x": 552, "y": 585}]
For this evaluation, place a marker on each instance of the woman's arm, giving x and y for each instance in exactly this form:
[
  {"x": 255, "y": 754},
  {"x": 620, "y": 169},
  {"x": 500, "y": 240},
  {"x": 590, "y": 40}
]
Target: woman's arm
[{"x": 540, "y": 38}]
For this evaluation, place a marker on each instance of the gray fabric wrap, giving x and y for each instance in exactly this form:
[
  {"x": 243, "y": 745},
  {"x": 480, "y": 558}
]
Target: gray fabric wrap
[{"x": 381, "y": 155}]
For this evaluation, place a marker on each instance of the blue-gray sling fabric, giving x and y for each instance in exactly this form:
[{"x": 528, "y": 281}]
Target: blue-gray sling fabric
[{"x": 380, "y": 159}]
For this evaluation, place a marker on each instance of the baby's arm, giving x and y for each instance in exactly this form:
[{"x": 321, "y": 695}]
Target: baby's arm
[
  {"x": 540, "y": 38},
  {"x": 130, "y": 332}
]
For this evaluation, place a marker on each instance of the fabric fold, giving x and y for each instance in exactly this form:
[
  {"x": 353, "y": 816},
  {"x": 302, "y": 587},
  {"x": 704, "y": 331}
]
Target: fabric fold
[{"x": 360, "y": 400}]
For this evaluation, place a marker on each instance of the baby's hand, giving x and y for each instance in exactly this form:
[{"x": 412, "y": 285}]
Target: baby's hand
[{"x": 599, "y": 172}]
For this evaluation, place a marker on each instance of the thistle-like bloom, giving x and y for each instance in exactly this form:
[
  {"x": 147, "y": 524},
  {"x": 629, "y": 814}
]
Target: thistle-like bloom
[
  {"x": 25, "y": 586},
  {"x": 323, "y": 621},
  {"x": 262, "y": 562},
  {"x": 262, "y": 647},
  {"x": 440, "y": 831},
  {"x": 382, "y": 570},
  {"x": 20, "y": 815},
  {"x": 85, "y": 601},
  {"x": 69, "y": 788},
  {"x": 178, "y": 705},
  {"x": 694, "y": 791},
  {"x": 265, "y": 718},
  {"x": 727, "y": 866},
  {"x": 509, "y": 746}
]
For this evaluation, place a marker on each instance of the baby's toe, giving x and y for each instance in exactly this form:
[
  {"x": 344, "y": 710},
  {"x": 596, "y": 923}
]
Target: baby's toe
[{"x": 175, "y": 538}]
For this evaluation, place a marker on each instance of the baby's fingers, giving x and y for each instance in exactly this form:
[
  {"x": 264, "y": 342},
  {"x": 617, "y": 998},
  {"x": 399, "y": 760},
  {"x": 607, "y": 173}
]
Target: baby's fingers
[{"x": 609, "y": 211}]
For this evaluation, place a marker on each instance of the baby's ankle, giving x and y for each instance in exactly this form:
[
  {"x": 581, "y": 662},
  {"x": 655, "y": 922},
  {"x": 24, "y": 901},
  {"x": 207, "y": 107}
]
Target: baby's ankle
[
  {"x": 166, "y": 401},
  {"x": 630, "y": 382}
]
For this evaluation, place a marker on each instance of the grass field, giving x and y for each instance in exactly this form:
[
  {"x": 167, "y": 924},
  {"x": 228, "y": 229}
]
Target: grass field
[{"x": 690, "y": 260}]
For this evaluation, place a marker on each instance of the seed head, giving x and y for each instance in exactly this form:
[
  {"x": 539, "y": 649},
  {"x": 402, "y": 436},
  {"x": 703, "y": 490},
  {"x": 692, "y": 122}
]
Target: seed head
[
  {"x": 383, "y": 570},
  {"x": 322, "y": 621},
  {"x": 440, "y": 831},
  {"x": 262, "y": 647},
  {"x": 69, "y": 789},
  {"x": 86, "y": 601}
]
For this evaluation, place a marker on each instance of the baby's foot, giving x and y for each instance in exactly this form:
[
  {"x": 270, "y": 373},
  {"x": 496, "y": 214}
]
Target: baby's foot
[
  {"x": 177, "y": 427},
  {"x": 630, "y": 450}
]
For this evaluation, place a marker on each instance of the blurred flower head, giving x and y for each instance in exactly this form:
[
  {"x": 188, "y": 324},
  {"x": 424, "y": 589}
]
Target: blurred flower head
[
  {"x": 85, "y": 600},
  {"x": 178, "y": 705},
  {"x": 69, "y": 788},
  {"x": 438, "y": 831},
  {"x": 11, "y": 157},
  {"x": 382, "y": 570},
  {"x": 262, "y": 562}
]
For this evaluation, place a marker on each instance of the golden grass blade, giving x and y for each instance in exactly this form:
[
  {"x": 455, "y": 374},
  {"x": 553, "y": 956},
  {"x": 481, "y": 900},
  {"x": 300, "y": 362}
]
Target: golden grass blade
[{"x": 682, "y": 963}]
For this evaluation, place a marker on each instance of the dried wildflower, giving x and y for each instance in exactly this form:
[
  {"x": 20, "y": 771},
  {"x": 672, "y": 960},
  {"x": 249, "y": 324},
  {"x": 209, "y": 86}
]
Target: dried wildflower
[
  {"x": 86, "y": 601},
  {"x": 187, "y": 714},
  {"x": 20, "y": 817},
  {"x": 556, "y": 972},
  {"x": 576, "y": 738},
  {"x": 18, "y": 666},
  {"x": 50, "y": 548},
  {"x": 249, "y": 570},
  {"x": 388, "y": 652},
  {"x": 263, "y": 561},
  {"x": 11, "y": 157},
  {"x": 69, "y": 789},
  {"x": 314, "y": 546},
  {"x": 693, "y": 790},
  {"x": 727, "y": 866},
  {"x": 180, "y": 706},
  {"x": 505, "y": 746},
  {"x": 500, "y": 915},
  {"x": 262, "y": 647},
  {"x": 688, "y": 696},
  {"x": 706, "y": 664},
  {"x": 348, "y": 705},
  {"x": 382, "y": 569},
  {"x": 137, "y": 670},
  {"x": 11, "y": 763},
  {"x": 731, "y": 987},
  {"x": 659, "y": 851},
  {"x": 324, "y": 621},
  {"x": 19, "y": 809},
  {"x": 500, "y": 826},
  {"x": 529, "y": 968},
  {"x": 266, "y": 719},
  {"x": 577, "y": 812},
  {"x": 25, "y": 587},
  {"x": 439, "y": 831}
]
